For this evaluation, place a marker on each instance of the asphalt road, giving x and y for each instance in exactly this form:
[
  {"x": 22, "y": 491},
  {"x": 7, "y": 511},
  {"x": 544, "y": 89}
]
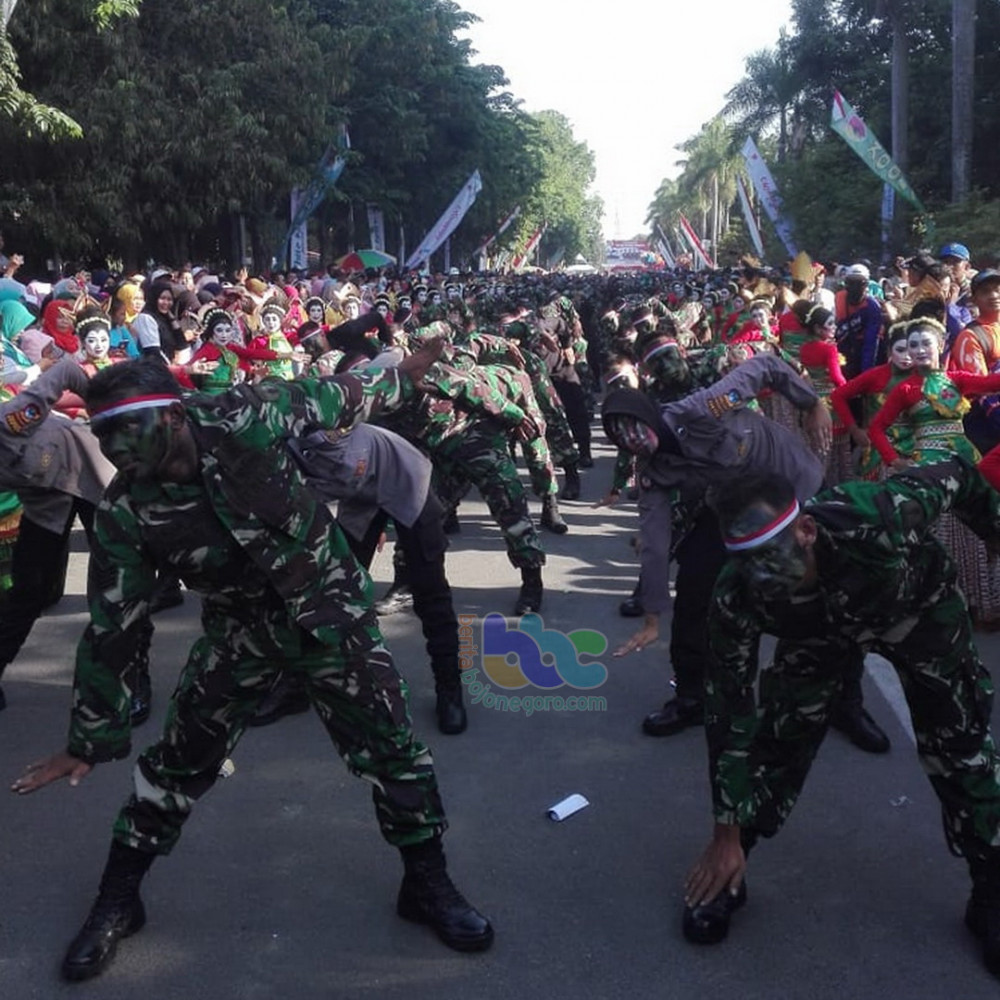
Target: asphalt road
[{"x": 282, "y": 887}]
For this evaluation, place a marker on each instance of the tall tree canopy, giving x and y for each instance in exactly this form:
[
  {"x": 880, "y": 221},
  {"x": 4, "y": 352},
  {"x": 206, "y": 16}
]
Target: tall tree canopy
[{"x": 196, "y": 119}]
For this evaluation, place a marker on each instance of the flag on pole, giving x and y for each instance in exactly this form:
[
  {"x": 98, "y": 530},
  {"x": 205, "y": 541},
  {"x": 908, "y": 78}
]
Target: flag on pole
[
  {"x": 664, "y": 251},
  {"x": 448, "y": 222},
  {"x": 692, "y": 237},
  {"x": 767, "y": 191},
  {"x": 306, "y": 200},
  {"x": 501, "y": 229},
  {"x": 522, "y": 258},
  {"x": 748, "y": 216},
  {"x": 847, "y": 123}
]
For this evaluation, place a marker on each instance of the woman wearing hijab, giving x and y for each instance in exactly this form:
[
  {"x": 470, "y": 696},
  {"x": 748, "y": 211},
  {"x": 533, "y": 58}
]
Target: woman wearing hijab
[{"x": 160, "y": 305}]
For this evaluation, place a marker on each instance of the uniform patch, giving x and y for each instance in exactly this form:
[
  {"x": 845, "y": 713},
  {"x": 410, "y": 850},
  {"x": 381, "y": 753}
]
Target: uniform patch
[
  {"x": 18, "y": 421},
  {"x": 718, "y": 405},
  {"x": 360, "y": 468}
]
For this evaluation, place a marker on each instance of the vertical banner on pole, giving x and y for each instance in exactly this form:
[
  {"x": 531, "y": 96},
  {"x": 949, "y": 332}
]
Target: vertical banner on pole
[
  {"x": 298, "y": 242},
  {"x": 767, "y": 191},
  {"x": 696, "y": 245},
  {"x": 448, "y": 222},
  {"x": 748, "y": 216},
  {"x": 376, "y": 227}
]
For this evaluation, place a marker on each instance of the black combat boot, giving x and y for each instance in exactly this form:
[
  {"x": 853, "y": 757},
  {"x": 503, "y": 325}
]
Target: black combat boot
[
  {"x": 117, "y": 913},
  {"x": 709, "y": 923},
  {"x": 982, "y": 914},
  {"x": 451, "y": 716},
  {"x": 551, "y": 517},
  {"x": 676, "y": 715},
  {"x": 571, "y": 487},
  {"x": 428, "y": 896},
  {"x": 530, "y": 597}
]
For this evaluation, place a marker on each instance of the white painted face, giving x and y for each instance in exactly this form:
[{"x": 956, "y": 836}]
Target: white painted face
[
  {"x": 223, "y": 333},
  {"x": 899, "y": 356},
  {"x": 316, "y": 313},
  {"x": 830, "y": 329},
  {"x": 760, "y": 317},
  {"x": 925, "y": 349},
  {"x": 382, "y": 309},
  {"x": 724, "y": 294},
  {"x": 421, "y": 296},
  {"x": 352, "y": 309},
  {"x": 97, "y": 343},
  {"x": 270, "y": 322}
]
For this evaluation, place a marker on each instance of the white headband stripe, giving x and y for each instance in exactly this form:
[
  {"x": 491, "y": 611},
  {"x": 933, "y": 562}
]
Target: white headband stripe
[
  {"x": 658, "y": 349},
  {"x": 765, "y": 534},
  {"x": 131, "y": 405}
]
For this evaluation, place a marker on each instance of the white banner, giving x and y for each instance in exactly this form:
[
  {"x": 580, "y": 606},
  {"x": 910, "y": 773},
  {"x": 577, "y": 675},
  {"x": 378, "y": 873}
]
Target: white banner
[
  {"x": 767, "y": 191},
  {"x": 298, "y": 241},
  {"x": 376, "y": 228},
  {"x": 750, "y": 220},
  {"x": 448, "y": 222},
  {"x": 668, "y": 257}
]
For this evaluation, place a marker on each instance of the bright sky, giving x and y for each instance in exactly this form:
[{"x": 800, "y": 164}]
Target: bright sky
[{"x": 634, "y": 77}]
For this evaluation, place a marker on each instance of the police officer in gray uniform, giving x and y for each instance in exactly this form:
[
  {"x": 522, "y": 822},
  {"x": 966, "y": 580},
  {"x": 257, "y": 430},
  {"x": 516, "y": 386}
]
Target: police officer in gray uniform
[
  {"x": 376, "y": 474},
  {"x": 709, "y": 438},
  {"x": 55, "y": 466}
]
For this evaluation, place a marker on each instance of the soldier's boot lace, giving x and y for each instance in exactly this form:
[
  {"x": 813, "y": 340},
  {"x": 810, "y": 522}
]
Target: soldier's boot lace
[
  {"x": 117, "y": 913},
  {"x": 428, "y": 896}
]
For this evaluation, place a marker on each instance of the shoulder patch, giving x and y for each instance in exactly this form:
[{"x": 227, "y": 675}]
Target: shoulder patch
[
  {"x": 719, "y": 405},
  {"x": 18, "y": 421}
]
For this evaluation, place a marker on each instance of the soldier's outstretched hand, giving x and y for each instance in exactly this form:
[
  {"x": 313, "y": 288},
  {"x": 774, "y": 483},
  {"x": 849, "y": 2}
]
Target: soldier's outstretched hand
[
  {"x": 44, "y": 772},
  {"x": 722, "y": 866},
  {"x": 416, "y": 365},
  {"x": 647, "y": 635}
]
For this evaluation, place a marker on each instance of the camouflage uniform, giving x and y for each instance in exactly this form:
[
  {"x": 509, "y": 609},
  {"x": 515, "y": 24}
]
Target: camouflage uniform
[
  {"x": 504, "y": 378},
  {"x": 464, "y": 427},
  {"x": 886, "y": 584},
  {"x": 281, "y": 594}
]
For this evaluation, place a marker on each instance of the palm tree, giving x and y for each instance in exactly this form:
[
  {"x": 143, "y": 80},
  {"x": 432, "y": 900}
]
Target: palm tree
[{"x": 767, "y": 94}]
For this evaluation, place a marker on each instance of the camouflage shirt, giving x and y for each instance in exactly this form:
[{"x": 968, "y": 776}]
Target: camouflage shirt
[
  {"x": 880, "y": 569},
  {"x": 249, "y": 536}
]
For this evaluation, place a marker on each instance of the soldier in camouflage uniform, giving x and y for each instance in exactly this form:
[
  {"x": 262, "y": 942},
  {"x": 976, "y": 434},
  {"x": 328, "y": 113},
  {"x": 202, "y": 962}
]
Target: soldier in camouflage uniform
[
  {"x": 857, "y": 565},
  {"x": 207, "y": 489},
  {"x": 464, "y": 425}
]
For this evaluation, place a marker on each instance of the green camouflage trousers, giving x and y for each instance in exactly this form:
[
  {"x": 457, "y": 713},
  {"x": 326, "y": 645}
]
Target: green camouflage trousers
[
  {"x": 355, "y": 690},
  {"x": 950, "y": 697},
  {"x": 482, "y": 457}
]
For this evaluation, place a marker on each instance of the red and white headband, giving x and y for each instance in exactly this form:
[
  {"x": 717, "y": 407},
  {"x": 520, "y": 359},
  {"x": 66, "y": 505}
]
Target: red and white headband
[
  {"x": 658, "y": 348},
  {"x": 754, "y": 539},
  {"x": 131, "y": 404}
]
